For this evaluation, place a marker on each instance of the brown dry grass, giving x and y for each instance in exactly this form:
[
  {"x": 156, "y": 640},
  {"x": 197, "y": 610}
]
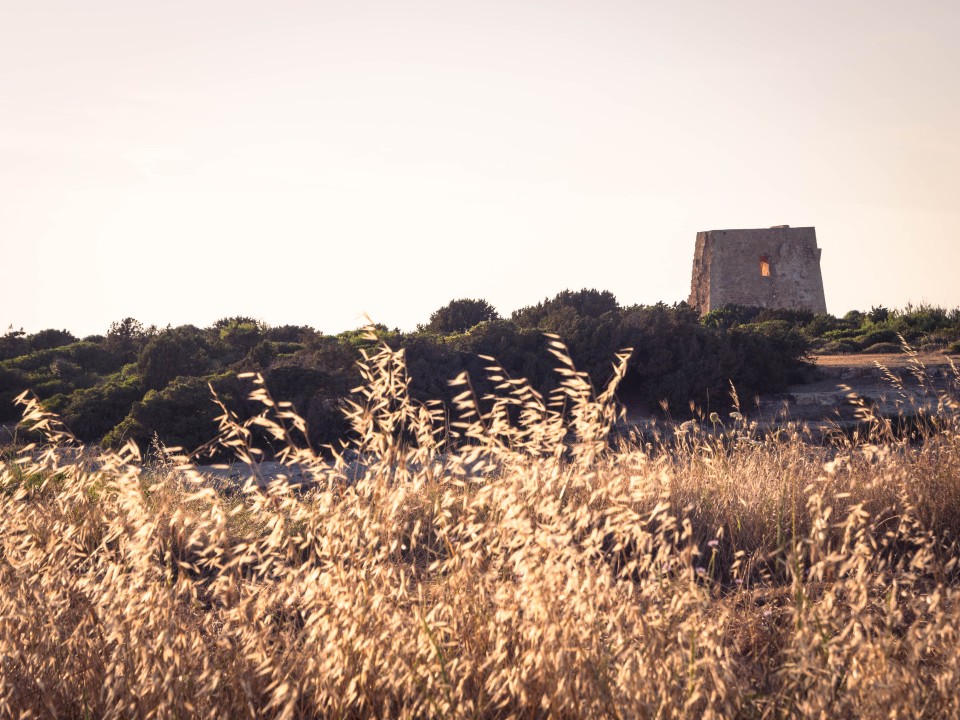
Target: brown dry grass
[{"x": 527, "y": 569}]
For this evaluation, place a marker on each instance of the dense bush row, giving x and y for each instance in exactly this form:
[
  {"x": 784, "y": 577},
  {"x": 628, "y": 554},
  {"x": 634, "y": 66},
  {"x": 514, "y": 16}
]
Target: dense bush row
[
  {"x": 137, "y": 382},
  {"x": 877, "y": 331}
]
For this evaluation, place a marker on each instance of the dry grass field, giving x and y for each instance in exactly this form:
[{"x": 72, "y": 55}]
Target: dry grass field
[{"x": 506, "y": 560}]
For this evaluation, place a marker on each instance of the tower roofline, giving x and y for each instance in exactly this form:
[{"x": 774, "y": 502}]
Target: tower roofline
[{"x": 758, "y": 230}]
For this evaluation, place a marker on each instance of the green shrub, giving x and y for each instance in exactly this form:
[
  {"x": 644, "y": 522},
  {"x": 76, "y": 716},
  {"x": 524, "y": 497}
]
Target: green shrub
[
  {"x": 64, "y": 369},
  {"x": 887, "y": 337},
  {"x": 180, "y": 352},
  {"x": 48, "y": 339},
  {"x": 13, "y": 343},
  {"x": 126, "y": 338},
  {"x": 839, "y": 347},
  {"x": 730, "y": 316},
  {"x": 793, "y": 317},
  {"x": 237, "y": 336},
  {"x": 315, "y": 393},
  {"x": 300, "y": 334},
  {"x": 554, "y": 315},
  {"x": 281, "y": 348},
  {"x": 89, "y": 356},
  {"x": 842, "y": 334},
  {"x": 883, "y": 347},
  {"x": 91, "y": 413},
  {"x": 820, "y": 325},
  {"x": 49, "y": 388},
  {"x": 773, "y": 355},
  {"x": 924, "y": 318},
  {"x": 13, "y": 381},
  {"x": 519, "y": 351},
  {"x": 180, "y": 414},
  {"x": 358, "y": 339},
  {"x": 261, "y": 355}
]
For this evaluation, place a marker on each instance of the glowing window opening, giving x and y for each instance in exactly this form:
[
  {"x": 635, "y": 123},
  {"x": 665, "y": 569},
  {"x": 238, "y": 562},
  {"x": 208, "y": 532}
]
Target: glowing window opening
[{"x": 764, "y": 266}]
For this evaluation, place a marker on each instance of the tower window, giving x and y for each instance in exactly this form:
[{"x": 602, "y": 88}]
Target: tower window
[{"x": 764, "y": 266}]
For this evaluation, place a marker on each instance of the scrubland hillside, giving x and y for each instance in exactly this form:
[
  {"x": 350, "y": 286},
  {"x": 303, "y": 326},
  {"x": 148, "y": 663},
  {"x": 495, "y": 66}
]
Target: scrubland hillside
[{"x": 136, "y": 382}]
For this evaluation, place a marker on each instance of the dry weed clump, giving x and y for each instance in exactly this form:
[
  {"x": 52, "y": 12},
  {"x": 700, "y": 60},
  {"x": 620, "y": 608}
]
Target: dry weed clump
[{"x": 509, "y": 560}]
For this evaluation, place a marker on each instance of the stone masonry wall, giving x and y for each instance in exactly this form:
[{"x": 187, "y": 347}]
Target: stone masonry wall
[{"x": 727, "y": 269}]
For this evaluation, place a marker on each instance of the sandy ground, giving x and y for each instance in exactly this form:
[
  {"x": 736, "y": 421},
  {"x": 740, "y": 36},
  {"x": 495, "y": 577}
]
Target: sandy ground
[
  {"x": 890, "y": 360},
  {"x": 844, "y": 381}
]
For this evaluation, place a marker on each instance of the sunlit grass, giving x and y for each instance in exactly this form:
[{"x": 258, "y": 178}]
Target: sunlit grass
[{"x": 505, "y": 559}]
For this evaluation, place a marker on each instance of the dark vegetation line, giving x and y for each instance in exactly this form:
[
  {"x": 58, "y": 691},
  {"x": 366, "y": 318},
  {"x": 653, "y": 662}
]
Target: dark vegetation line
[{"x": 140, "y": 382}]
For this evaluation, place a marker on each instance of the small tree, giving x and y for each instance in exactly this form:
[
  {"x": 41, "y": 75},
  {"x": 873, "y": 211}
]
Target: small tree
[
  {"x": 568, "y": 305},
  {"x": 240, "y": 335},
  {"x": 461, "y": 315},
  {"x": 13, "y": 343},
  {"x": 126, "y": 338},
  {"x": 48, "y": 339}
]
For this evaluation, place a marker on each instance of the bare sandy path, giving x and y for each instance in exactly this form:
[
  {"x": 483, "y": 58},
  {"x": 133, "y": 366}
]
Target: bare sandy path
[{"x": 890, "y": 360}]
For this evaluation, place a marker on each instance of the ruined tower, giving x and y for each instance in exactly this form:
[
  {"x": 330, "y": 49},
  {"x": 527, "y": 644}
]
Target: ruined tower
[{"x": 776, "y": 267}]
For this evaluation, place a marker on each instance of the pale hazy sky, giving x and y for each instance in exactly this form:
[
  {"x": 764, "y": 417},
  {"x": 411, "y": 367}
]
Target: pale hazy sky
[{"x": 307, "y": 162}]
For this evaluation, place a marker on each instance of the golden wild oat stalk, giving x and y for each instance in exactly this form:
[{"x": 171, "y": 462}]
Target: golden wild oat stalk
[{"x": 510, "y": 561}]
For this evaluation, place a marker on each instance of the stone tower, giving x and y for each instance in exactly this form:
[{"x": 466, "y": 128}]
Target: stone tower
[{"x": 777, "y": 267}]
